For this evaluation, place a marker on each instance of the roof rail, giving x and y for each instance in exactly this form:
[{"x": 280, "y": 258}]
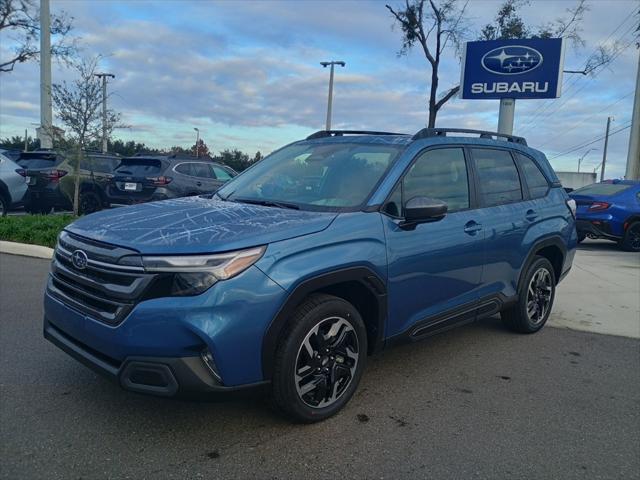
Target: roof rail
[
  {"x": 442, "y": 132},
  {"x": 340, "y": 133}
]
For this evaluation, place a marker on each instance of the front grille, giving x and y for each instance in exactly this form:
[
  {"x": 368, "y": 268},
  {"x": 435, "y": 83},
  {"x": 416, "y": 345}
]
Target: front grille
[{"x": 104, "y": 289}]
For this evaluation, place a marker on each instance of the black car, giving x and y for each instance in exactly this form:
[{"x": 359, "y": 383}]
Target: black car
[
  {"x": 147, "y": 178},
  {"x": 51, "y": 180}
]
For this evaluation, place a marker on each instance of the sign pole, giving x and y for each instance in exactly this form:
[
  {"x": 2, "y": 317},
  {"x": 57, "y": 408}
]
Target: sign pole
[{"x": 505, "y": 117}]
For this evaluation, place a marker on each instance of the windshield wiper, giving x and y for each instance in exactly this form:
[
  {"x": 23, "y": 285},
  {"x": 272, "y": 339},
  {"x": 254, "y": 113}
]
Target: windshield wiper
[{"x": 266, "y": 203}]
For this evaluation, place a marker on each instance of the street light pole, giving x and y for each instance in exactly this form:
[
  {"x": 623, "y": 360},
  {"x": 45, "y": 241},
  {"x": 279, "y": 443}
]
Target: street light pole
[
  {"x": 332, "y": 64},
  {"x": 583, "y": 157},
  {"x": 104, "y": 76},
  {"x": 197, "y": 141}
]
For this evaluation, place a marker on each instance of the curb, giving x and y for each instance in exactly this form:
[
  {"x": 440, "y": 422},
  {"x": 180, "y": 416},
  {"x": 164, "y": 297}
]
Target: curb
[{"x": 26, "y": 250}]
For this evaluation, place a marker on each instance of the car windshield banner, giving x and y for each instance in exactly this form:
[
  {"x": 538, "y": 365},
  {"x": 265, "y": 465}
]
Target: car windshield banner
[{"x": 512, "y": 69}]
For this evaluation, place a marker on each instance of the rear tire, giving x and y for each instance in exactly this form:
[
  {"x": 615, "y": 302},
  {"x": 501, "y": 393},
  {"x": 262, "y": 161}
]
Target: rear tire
[
  {"x": 535, "y": 298},
  {"x": 631, "y": 240},
  {"x": 320, "y": 359},
  {"x": 4, "y": 206},
  {"x": 89, "y": 203},
  {"x": 581, "y": 237}
]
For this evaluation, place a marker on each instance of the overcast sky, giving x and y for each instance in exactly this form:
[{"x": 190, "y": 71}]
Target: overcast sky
[{"x": 247, "y": 74}]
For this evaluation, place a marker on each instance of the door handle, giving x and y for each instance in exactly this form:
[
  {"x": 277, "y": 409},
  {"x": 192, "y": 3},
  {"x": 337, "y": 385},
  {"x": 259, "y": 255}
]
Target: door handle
[
  {"x": 199, "y": 184},
  {"x": 472, "y": 227},
  {"x": 531, "y": 215}
]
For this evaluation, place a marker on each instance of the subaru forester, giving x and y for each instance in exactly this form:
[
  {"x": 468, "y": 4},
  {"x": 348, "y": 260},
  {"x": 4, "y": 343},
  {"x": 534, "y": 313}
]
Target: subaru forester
[{"x": 323, "y": 253}]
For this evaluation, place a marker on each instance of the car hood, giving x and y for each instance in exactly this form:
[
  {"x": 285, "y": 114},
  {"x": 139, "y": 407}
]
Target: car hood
[{"x": 197, "y": 225}]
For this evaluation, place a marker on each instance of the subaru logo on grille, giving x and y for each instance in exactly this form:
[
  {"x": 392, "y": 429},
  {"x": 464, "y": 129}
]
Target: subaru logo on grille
[
  {"x": 79, "y": 259},
  {"x": 512, "y": 60}
]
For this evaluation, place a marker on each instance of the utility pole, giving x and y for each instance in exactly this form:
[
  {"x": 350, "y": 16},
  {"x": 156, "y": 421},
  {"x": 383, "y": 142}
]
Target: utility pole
[
  {"x": 330, "y": 100},
  {"x": 26, "y": 141},
  {"x": 505, "y": 116},
  {"x": 633, "y": 157},
  {"x": 104, "y": 77},
  {"x": 604, "y": 153},
  {"x": 45, "y": 131},
  {"x": 197, "y": 142}
]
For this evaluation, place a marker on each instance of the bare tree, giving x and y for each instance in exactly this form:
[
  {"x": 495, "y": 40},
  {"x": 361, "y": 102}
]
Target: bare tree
[
  {"x": 78, "y": 107},
  {"x": 441, "y": 25},
  {"x": 20, "y": 33}
]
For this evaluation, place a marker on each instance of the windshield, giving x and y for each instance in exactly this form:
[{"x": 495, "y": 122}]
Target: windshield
[
  {"x": 315, "y": 176},
  {"x": 601, "y": 189}
]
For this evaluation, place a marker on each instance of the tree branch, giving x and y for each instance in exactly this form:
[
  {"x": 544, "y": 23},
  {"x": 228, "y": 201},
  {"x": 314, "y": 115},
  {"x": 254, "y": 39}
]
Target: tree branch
[{"x": 447, "y": 97}]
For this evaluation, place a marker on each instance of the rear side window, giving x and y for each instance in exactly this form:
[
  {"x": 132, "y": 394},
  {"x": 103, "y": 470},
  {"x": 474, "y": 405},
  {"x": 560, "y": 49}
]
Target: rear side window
[
  {"x": 498, "y": 177},
  {"x": 140, "y": 167},
  {"x": 536, "y": 181},
  {"x": 221, "y": 173},
  {"x": 184, "y": 169},
  {"x": 201, "y": 170}
]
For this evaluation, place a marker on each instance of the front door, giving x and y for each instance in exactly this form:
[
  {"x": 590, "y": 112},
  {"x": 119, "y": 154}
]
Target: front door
[{"x": 434, "y": 269}]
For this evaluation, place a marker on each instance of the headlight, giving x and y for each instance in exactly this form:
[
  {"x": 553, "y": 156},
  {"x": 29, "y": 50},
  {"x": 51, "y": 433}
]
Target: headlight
[{"x": 193, "y": 274}]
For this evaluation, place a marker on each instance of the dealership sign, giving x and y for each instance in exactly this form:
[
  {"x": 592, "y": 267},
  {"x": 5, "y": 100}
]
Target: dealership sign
[{"x": 512, "y": 69}]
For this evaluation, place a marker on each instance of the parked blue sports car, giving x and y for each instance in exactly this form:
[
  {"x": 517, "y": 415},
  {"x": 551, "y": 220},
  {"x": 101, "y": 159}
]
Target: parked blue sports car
[{"x": 610, "y": 210}]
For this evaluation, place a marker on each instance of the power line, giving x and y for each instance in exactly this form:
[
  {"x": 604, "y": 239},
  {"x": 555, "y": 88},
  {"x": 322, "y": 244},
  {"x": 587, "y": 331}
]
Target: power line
[
  {"x": 576, "y": 125},
  {"x": 582, "y": 145},
  {"x": 571, "y": 84}
]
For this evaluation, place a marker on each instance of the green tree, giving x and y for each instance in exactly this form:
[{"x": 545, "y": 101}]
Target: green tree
[
  {"x": 78, "y": 106},
  {"x": 235, "y": 158},
  {"x": 17, "y": 143}
]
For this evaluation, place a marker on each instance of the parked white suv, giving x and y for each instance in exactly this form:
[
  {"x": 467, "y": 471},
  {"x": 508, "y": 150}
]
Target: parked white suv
[{"x": 13, "y": 185}]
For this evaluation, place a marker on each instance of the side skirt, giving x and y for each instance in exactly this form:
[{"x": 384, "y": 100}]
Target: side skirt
[{"x": 468, "y": 313}]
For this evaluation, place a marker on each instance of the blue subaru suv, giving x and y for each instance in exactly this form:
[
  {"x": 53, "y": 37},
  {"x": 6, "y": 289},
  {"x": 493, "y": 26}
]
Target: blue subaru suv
[{"x": 323, "y": 253}]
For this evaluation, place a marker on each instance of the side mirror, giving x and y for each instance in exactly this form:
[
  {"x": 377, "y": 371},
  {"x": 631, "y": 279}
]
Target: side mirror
[{"x": 424, "y": 209}]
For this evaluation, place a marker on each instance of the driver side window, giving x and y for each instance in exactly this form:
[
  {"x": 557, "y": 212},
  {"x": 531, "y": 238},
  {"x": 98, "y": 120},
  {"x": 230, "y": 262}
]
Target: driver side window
[{"x": 440, "y": 174}]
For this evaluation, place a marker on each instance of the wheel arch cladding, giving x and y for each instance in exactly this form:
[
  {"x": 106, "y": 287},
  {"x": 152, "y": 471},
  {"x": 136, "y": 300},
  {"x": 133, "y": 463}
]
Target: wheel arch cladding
[
  {"x": 359, "y": 286},
  {"x": 554, "y": 250}
]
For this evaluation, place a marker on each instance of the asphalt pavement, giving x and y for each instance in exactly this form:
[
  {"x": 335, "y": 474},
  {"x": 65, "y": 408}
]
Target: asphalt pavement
[{"x": 477, "y": 402}]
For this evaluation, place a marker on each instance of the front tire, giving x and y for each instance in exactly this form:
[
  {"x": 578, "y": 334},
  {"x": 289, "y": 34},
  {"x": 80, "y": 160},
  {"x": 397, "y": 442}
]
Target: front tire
[
  {"x": 320, "y": 359},
  {"x": 535, "y": 298}
]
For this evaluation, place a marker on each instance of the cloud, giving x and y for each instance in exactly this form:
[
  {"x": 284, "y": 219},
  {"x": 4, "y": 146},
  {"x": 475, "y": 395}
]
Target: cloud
[{"x": 248, "y": 74}]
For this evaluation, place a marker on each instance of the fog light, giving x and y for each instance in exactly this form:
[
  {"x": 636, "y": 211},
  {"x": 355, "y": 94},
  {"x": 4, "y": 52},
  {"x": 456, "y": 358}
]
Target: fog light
[{"x": 207, "y": 358}]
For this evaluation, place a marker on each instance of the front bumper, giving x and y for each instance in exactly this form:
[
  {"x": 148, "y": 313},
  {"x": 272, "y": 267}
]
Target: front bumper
[{"x": 161, "y": 376}]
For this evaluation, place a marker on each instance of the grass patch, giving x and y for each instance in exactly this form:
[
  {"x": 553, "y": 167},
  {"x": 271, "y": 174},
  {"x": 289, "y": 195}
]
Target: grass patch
[{"x": 33, "y": 229}]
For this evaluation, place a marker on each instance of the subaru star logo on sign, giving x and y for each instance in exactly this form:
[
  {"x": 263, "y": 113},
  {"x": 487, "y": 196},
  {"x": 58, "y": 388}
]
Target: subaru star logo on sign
[
  {"x": 512, "y": 69},
  {"x": 79, "y": 259},
  {"x": 512, "y": 60}
]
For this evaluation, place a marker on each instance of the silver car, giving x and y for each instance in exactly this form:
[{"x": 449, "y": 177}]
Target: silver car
[{"x": 13, "y": 185}]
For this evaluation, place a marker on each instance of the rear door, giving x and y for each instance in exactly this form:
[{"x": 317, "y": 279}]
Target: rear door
[
  {"x": 506, "y": 216},
  {"x": 434, "y": 269},
  {"x": 195, "y": 178}
]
